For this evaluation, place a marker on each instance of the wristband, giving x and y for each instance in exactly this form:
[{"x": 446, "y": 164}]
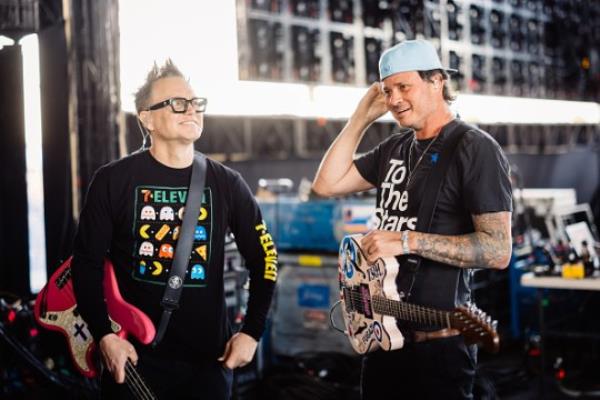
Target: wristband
[{"x": 405, "y": 249}]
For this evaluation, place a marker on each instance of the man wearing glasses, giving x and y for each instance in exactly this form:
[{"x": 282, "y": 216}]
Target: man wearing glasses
[{"x": 133, "y": 211}]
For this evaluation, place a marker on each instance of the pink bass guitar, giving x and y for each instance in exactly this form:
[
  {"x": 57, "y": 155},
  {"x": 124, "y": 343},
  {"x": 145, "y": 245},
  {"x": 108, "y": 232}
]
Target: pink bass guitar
[
  {"x": 371, "y": 305},
  {"x": 56, "y": 309}
]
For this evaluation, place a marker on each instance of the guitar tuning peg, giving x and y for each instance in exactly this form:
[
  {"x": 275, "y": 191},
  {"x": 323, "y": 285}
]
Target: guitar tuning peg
[
  {"x": 494, "y": 324},
  {"x": 488, "y": 320}
]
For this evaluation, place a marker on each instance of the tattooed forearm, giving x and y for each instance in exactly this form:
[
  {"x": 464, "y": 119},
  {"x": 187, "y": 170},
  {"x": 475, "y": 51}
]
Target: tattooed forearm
[{"x": 488, "y": 247}]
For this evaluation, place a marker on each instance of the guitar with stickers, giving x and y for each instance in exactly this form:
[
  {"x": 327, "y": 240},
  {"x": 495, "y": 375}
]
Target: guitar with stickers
[
  {"x": 56, "y": 309},
  {"x": 371, "y": 305}
]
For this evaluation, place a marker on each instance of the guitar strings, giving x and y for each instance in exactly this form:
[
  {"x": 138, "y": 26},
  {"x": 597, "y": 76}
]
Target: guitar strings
[
  {"x": 414, "y": 312},
  {"x": 136, "y": 383},
  {"x": 133, "y": 385}
]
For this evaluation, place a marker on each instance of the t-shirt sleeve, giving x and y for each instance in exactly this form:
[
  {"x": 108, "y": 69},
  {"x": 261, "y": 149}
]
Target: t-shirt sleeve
[
  {"x": 368, "y": 164},
  {"x": 485, "y": 175},
  {"x": 258, "y": 249},
  {"x": 90, "y": 248}
]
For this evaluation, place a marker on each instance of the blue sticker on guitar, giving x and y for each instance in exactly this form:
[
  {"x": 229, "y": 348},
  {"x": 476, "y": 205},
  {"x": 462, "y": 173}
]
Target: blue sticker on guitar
[
  {"x": 377, "y": 331},
  {"x": 348, "y": 256}
]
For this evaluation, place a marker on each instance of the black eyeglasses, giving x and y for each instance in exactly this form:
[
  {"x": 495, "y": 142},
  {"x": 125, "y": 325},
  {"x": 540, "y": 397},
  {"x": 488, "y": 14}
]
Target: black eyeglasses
[{"x": 180, "y": 105}]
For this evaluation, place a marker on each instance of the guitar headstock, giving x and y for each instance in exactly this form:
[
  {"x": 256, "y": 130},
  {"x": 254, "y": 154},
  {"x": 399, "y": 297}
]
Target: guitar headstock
[{"x": 476, "y": 326}]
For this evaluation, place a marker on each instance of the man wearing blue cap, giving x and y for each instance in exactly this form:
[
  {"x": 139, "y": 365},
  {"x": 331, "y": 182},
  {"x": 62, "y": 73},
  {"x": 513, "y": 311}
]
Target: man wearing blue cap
[{"x": 469, "y": 223}]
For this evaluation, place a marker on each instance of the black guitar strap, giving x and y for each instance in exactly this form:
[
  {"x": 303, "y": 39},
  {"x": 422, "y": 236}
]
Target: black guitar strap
[
  {"x": 432, "y": 190},
  {"x": 174, "y": 286}
]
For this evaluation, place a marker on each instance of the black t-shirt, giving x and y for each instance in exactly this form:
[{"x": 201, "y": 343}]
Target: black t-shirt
[
  {"x": 132, "y": 214},
  {"x": 477, "y": 182}
]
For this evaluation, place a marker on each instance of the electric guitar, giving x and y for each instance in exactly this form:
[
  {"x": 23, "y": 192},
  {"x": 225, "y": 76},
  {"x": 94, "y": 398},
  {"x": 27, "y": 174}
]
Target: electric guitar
[
  {"x": 371, "y": 305},
  {"x": 56, "y": 309}
]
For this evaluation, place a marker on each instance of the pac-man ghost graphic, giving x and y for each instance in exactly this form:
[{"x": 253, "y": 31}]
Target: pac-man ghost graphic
[
  {"x": 167, "y": 214},
  {"x": 200, "y": 233},
  {"x": 146, "y": 249},
  {"x": 165, "y": 251},
  {"x": 148, "y": 213},
  {"x": 197, "y": 272}
]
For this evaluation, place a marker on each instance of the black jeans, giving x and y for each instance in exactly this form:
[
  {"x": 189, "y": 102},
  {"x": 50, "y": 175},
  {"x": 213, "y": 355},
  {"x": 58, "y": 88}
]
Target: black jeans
[
  {"x": 170, "y": 379},
  {"x": 436, "y": 369}
]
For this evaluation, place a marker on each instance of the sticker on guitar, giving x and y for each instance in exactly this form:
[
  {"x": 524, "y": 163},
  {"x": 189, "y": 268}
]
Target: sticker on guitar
[{"x": 371, "y": 305}]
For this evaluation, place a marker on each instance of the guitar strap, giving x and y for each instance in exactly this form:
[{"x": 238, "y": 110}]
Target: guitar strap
[
  {"x": 174, "y": 286},
  {"x": 432, "y": 191}
]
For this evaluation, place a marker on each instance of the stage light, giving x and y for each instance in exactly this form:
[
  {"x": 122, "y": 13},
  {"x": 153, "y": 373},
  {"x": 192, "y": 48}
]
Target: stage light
[
  {"x": 266, "y": 54},
  {"x": 533, "y": 36},
  {"x": 478, "y": 73},
  {"x": 456, "y": 62},
  {"x": 341, "y": 11},
  {"x": 307, "y": 63},
  {"x": 374, "y": 12},
  {"x": 499, "y": 75},
  {"x": 516, "y": 35},
  {"x": 478, "y": 27},
  {"x": 305, "y": 8},
  {"x": 408, "y": 19},
  {"x": 342, "y": 57},
  {"x": 534, "y": 79},
  {"x": 373, "y": 49},
  {"x": 455, "y": 26},
  {"x": 433, "y": 23},
  {"x": 518, "y": 77},
  {"x": 497, "y": 28}
]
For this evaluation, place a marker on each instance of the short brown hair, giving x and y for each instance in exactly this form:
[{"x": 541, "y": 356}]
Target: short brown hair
[
  {"x": 142, "y": 96},
  {"x": 449, "y": 96}
]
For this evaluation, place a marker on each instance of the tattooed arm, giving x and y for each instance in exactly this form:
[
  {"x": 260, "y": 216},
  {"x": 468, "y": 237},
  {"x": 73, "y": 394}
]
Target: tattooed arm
[{"x": 488, "y": 247}]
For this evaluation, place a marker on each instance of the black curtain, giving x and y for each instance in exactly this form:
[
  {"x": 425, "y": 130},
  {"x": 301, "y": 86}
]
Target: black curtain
[{"x": 14, "y": 253}]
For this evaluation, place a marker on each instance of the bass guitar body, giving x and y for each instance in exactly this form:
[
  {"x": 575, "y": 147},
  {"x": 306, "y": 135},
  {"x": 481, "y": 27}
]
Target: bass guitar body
[{"x": 56, "y": 309}]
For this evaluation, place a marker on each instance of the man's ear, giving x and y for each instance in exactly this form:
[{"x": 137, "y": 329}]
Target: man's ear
[{"x": 146, "y": 118}]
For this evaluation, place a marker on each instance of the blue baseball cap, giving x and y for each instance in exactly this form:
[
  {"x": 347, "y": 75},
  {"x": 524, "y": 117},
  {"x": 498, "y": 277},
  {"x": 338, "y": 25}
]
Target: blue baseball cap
[{"x": 410, "y": 55}]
